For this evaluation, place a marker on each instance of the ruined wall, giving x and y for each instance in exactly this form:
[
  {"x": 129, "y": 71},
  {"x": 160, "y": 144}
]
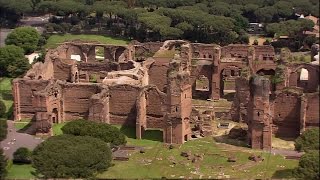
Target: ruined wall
[
  {"x": 62, "y": 69},
  {"x": 158, "y": 73},
  {"x": 24, "y": 102},
  {"x": 76, "y": 100},
  {"x": 312, "y": 111},
  {"x": 286, "y": 119},
  {"x": 239, "y": 52},
  {"x": 240, "y": 102},
  {"x": 147, "y": 49},
  {"x": 123, "y": 104},
  {"x": 155, "y": 109}
]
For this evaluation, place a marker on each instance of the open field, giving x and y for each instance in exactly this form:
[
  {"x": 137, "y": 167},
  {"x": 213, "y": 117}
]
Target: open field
[{"x": 55, "y": 40}]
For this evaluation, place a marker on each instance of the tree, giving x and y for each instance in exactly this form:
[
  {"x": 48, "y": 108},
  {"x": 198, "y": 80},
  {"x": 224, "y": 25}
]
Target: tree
[
  {"x": 68, "y": 156},
  {"x": 105, "y": 132},
  {"x": 308, "y": 140},
  {"x": 3, "y": 165},
  {"x": 255, "y": 42},
  {"x": 308, "y": 166},
  {"x": 22, "y": 156},
  {"x": 34, "y": 4},
  {"x": 25, "y": 37},
  {"x": 12, "y": 61},
  {"x": 3, "y": 129},
  {"x": 3, "y": 109}
]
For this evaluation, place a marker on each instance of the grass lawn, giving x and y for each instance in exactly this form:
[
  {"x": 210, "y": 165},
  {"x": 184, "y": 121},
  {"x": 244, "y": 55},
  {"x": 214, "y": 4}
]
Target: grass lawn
[
  {"x": 20, "y": 172},
  {"x": 57, "y": 129},
  {"x": 54, "y": 40},
  {"x": 155, "y": 163}
]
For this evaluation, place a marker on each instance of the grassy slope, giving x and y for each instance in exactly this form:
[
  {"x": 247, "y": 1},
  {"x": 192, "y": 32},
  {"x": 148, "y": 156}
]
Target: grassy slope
[
  {"x": 54, "y": 40},
  {"x": 215, "y": 155}
]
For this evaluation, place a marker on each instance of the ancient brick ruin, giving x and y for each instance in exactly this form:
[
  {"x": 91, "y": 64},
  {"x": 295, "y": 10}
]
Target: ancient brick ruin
[{"x": 128, "y": 85}]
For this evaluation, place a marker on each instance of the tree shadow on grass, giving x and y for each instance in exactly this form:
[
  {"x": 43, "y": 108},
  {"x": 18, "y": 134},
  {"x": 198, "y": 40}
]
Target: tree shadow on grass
[
  {"x": 235, "y": 142},
  {"x": 153, "y": 134},
  {"x": 28, "y": 129},
  {"x": 283, "y": 174}
]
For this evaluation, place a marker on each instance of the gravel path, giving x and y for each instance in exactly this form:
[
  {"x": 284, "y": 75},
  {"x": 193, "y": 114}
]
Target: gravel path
[{"x": 16, "y": 140}]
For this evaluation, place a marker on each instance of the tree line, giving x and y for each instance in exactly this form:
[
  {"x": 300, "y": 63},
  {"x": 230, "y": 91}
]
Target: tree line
[{"x": 207, "y": 21}]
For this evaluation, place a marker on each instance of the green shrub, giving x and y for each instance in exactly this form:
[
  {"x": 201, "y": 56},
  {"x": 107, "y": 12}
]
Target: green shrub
[
  {"x": 308, "y": 140},
  {"x": 105, "y": 132},
  {"x": 3, "y": 129},
  {"x": 3, "y": 109},
  {"x": 68, "y": 156},
  {"x": 25, "y": 37},
  {"x": 22, "y": 156},
  {"x": 3, "y": 165},
  {"x": 308, "y": 166}
]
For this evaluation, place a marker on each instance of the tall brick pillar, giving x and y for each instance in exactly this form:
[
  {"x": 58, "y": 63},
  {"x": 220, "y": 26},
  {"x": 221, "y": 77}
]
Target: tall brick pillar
[{"x": 259, "y": 116}]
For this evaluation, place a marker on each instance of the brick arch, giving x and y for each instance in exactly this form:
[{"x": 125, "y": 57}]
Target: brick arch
[
  {"x": 118, "y": 52},
  {"x": 75, "y": 50},
  {"x": 311, "y": 84}
]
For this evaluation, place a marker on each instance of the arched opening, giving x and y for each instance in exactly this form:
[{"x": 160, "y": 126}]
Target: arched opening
[
  {"x": 201, "y": 88},
  {"x": 119, "y": 54},
  {"x": 99, "y": 51},
  {"x": 303, "y": 78},
  {"x": 265, "y": 72},
  {"x": 202, "y": 83},
  {"x": 54, "y": 116},
  {"x": 227, "y": 81},
  {"x": 210, "y": 56},
  {"x": 204, "y": 56}
]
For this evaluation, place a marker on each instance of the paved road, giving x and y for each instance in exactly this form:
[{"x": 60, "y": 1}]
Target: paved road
[
  {"x": 16, "y": 140},
  {"x": 288, "y": 153}
]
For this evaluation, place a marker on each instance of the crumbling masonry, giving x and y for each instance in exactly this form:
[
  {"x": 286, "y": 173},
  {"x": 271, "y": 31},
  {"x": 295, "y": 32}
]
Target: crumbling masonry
[{"x": 131, "y": 85}]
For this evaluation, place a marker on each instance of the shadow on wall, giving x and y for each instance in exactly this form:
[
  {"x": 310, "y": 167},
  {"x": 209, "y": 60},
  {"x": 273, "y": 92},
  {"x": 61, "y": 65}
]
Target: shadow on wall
[{"x": 152, "y": 135}]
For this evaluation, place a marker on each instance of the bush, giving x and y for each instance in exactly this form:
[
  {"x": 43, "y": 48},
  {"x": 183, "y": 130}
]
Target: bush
[
  {"x": 3, "y": 109},
  {"x": 25, "y": 37},
  {"x": 12, "y": 61},
  {"x": 104, "y": 132},
  {"x": 22, "y": 156},
  {"x": 68, "y": 156},
  {"x": 3, "y": 129},
  {"x": 308, "y": 140},
  {"x": 3, "y": 165},
  {"x": 308, "y": 166}
]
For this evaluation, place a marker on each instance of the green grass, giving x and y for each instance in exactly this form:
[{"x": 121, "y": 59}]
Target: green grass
[
  {"x": 165, "y": 54},
  {"x": 55, "y": 40},
  {"x": 57, "y": 129},
  {"x": 6, "y": 94},
  {"x": 215, "y": 156},
  {"x": 20, "y": 172}
]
